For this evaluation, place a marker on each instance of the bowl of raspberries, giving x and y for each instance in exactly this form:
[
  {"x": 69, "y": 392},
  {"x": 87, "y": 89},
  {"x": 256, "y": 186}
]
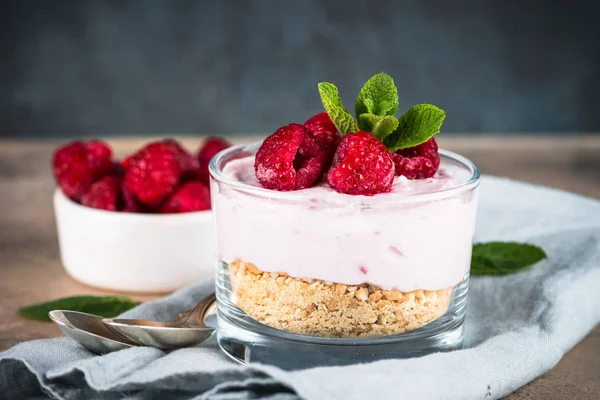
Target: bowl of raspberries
[{"x": 142, "y": 223}]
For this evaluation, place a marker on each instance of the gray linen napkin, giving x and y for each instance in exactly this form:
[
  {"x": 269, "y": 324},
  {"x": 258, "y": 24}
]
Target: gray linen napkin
[{"x": 517, "y": 327}]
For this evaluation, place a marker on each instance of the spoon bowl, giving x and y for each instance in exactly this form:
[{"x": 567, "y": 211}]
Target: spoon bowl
[{"x": 89, "y": 331}]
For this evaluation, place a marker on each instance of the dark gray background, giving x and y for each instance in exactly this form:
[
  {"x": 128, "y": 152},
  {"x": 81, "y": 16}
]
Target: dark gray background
[{"x": 82, "y": 68}]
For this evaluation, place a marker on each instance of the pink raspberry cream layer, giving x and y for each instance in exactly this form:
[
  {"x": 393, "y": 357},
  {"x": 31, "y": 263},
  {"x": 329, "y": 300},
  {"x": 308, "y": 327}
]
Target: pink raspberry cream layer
[{"x": 382, "y": 240}]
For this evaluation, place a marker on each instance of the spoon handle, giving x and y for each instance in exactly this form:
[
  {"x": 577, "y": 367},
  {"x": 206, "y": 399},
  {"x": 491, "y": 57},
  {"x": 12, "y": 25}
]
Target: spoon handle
[{"x": 194, "y": 317}]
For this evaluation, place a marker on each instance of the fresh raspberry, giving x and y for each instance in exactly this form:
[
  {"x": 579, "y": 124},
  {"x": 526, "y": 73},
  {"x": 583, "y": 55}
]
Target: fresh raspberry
[
  {"x": 361, "y": 165},
  {"x": 71, "y": 170},
  {"x": 103, "y": 194},
  {"x": 99, "y": 158},
  {"x": 325, "y": 131},
  {"x": 191, "y": 196},
  {"x": 209, "y": 149},
  {"x": 155, "y": 173},
  {"x": 187, "y": 163},
  {"x": 418, "y": 162},
  {"x": 290, "y": 159}
]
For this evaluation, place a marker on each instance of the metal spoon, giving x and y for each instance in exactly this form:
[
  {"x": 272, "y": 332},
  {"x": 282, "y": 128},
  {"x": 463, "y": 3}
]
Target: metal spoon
[
  {"x": 89, "y": 331},
  {"x": 185, "y": 330}
]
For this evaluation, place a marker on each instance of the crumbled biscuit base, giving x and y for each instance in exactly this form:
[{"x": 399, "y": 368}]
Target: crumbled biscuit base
[{"x": 320, "y": 308}]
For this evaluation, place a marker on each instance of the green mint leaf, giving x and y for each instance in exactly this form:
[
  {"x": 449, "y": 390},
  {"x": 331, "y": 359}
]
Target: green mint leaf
[
  {"x": 501, "y": 258},
  {"x": 104, "y": 306},
  {"x": 380, "y": 127},
  {"x": 416, "y": 126},
  {"x": 378, "y": 96},
  {"x": 334, "y": 107}
]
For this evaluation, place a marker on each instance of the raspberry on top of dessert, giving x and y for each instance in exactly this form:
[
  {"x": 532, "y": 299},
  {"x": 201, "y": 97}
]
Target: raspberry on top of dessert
[{"x": 357, "y": 157}]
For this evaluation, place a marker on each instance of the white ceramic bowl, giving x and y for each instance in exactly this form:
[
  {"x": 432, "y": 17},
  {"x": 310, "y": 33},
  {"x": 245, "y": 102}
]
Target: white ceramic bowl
[{"x": 130, "y": 252}]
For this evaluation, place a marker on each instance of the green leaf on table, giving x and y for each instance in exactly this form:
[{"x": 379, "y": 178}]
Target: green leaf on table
[
  {"x": 380, "y": 127},
  {"x": 334, "y": 107},
  {"x": 416, "y": 126},
  {"x": 378, "y": 96},
  {"x": 104, "y": 306},
  {"x": 501, "y": 258}
]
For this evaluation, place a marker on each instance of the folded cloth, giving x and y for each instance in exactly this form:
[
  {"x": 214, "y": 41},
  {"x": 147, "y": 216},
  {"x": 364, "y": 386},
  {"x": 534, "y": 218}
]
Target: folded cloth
[{"x": 517, "y": 327}]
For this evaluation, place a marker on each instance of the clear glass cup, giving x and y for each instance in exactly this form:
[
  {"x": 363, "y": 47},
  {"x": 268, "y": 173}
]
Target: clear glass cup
[{"x": 304, "y": 280}]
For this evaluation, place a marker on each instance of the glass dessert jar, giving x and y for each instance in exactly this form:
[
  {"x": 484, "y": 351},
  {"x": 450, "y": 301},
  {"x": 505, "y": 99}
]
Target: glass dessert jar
[{"x": 316, "y": 277}]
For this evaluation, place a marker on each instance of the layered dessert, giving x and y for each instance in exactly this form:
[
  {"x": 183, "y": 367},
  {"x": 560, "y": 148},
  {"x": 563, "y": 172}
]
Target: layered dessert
[{"x": 346, "y": 228}]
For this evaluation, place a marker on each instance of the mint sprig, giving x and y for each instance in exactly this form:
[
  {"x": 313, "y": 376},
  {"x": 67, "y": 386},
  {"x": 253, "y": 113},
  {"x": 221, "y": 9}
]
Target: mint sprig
[
  {"x": 501, "y": 258},
  {"x": 334, "y": 107},
  {"x": 380, "y": 127},
  {"x": 378, "y": 96},
  {"x": 416, "y": 126},
  {"x": 375, "y": 107},
  {"x": 105, "y": 306}
]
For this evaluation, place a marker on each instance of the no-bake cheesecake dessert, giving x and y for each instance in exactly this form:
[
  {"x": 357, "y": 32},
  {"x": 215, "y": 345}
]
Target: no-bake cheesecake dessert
[{"x": 346, "y": 228}]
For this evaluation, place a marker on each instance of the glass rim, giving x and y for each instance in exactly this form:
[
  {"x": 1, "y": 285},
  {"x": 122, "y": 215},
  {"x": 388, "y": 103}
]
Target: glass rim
[{"x": 225, "y": 156}]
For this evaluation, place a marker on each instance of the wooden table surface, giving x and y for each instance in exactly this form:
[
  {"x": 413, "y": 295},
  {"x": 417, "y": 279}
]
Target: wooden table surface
[{"x": 31, "y": 270}]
